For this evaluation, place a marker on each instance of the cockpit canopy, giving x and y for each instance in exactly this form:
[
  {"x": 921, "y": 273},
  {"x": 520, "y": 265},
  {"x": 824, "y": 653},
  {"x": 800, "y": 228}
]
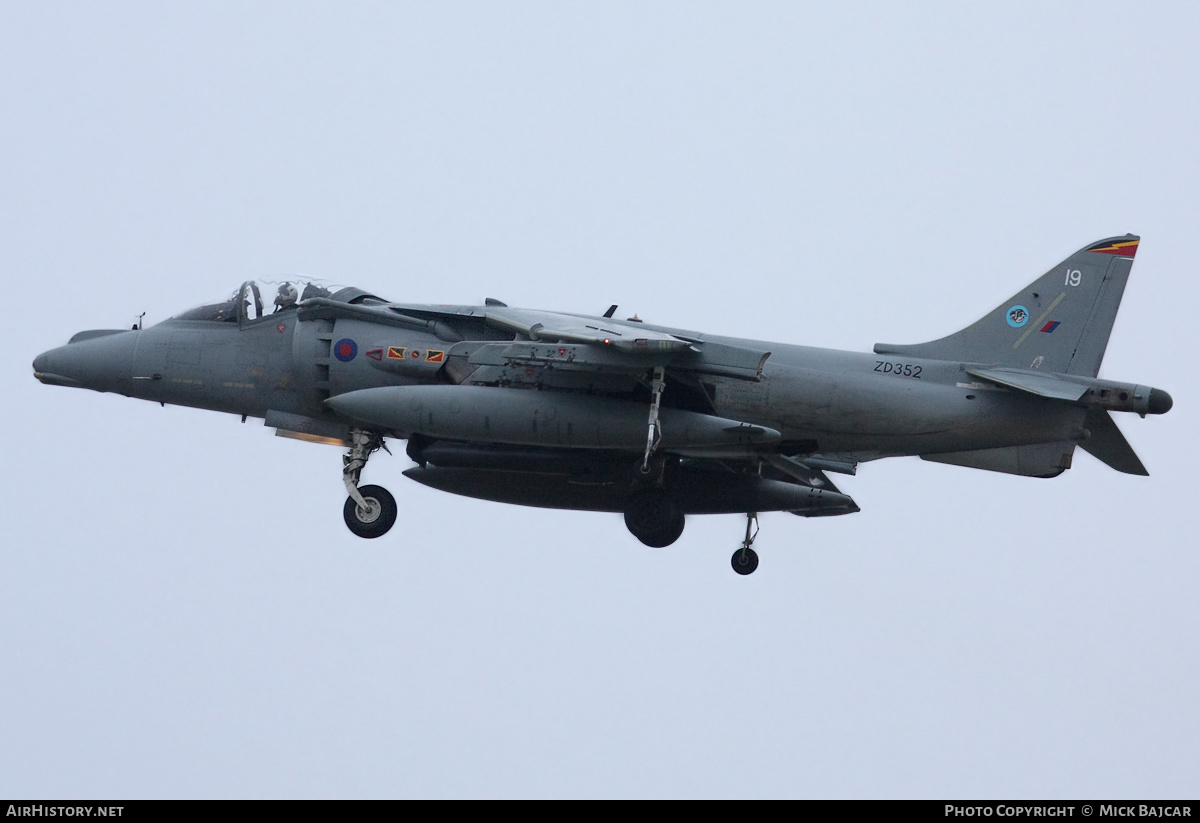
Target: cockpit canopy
[{"x": 246, "y": 303}]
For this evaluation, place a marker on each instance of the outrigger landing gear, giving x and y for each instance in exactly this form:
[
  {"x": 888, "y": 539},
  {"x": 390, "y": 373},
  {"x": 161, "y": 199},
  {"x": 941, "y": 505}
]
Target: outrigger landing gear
[
  {"x": 371, "y": 510},
  {"x": 745, "y": 559}
]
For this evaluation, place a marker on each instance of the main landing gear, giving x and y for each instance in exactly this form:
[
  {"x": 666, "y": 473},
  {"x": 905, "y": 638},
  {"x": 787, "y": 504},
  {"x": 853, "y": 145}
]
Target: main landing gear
[
  {"x": 652, "y": 515},
  {"x": 745, "y": 559},
  {"x": 654, "y": 518},
  {"x": 370, "y": 510}
]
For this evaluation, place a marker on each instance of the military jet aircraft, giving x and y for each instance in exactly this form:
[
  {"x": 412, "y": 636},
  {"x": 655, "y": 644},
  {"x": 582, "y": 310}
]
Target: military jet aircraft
[{"x": 573, "y": 411}]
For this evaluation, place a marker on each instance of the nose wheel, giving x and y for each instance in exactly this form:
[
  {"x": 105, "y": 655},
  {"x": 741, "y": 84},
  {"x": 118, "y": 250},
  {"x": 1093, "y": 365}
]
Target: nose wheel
[
  {"x": 370, "y": 510},
  {"x": 374, "y": 516}
]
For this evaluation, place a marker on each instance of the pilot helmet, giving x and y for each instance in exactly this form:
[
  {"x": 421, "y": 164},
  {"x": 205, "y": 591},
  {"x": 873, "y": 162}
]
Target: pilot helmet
[{"x": 286, "y": 297}]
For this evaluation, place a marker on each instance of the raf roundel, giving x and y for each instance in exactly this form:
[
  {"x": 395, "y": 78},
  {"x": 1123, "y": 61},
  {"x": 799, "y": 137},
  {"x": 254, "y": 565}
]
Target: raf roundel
[
  {"x": 345, "y": 349},
  {"x": 1017, "y": 316}
]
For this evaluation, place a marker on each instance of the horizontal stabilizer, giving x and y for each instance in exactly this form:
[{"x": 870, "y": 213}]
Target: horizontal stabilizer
[
  {"x": 1108, "y": 445},
  {"x": 1043, "y": 385},
  {"x": 1090, "y": 392}
]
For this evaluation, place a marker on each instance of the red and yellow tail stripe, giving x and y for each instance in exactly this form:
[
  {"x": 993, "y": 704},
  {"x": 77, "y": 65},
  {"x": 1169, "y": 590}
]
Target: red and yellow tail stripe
[{"x": 1125, "y": 248}]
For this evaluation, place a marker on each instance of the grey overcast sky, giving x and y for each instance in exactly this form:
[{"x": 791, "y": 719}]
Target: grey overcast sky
[{"x": 183, "y": 612}]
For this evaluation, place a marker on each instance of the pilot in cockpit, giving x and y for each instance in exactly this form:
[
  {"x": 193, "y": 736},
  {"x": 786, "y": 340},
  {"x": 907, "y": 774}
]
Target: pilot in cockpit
[{"x": 286, "y": 298}]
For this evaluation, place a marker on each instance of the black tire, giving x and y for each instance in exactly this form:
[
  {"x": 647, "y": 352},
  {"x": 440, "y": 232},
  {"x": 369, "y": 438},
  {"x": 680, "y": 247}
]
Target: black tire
[
  {"x": 744, "y": 561},
  {"x": 654, "y": 518},
  {"x": 376, "y": 521},
  {"x": 663, "y": 537}
]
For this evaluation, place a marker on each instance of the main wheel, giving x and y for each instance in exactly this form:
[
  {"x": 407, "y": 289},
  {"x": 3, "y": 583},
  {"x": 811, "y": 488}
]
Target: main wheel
[
  {"x": 376, "y": 518},
  {"x": 664, "y": 536},
  {"x": 654, "y": 518},
  {"x": 744, "y": 561}
]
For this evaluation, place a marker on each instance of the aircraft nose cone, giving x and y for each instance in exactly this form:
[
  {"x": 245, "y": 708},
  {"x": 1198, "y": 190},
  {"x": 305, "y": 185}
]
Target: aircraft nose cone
[
  {"x": 47, "y": 370},
  {"x": 102, "y": 362}
]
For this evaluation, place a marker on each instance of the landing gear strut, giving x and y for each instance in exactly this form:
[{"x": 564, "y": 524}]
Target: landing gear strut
[
  {"x": 371, "y": 510},
  {"x": 652, "y": 515},
  {"x": 745, "y": 559},
  {"x": 653, "y": 427}
]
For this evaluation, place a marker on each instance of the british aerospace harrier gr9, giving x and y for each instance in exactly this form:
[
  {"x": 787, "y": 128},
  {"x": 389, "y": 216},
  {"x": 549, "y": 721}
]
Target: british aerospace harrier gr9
[{"x": 595, "y": 413}]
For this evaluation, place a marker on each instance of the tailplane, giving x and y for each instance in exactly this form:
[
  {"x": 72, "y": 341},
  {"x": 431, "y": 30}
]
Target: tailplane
[{"x": 1058, "y": 323}]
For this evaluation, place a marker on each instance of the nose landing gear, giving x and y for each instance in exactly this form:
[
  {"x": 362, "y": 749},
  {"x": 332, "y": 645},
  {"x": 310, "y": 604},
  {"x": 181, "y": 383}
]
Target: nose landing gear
[
  {"x": 374, "y": 516},
  {"x": 370, "y": 510}
]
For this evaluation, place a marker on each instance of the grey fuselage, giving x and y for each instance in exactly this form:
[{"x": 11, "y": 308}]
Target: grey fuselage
[
  {"x": 571, "y": 411},
  {"x": 851, "y": 405}
]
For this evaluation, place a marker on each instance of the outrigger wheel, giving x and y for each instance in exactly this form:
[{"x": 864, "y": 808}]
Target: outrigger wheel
[
  {"x": 376, "y": 518},
  {"x": 654, "y": 518}
]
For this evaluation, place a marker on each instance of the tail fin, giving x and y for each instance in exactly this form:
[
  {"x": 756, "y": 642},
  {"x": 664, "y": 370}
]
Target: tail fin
[{"x": 1059, "y": 322}]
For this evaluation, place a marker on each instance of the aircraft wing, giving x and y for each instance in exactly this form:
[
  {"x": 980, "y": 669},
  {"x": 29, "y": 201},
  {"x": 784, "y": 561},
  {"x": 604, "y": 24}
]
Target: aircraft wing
[
  {"x": 562, "y": 342},
  {"x": 594, "y": 362},
  {"x": 562, "y": 356},
  {"x": 565, "y": 328},
  {"x": 555, "y": 327}
]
